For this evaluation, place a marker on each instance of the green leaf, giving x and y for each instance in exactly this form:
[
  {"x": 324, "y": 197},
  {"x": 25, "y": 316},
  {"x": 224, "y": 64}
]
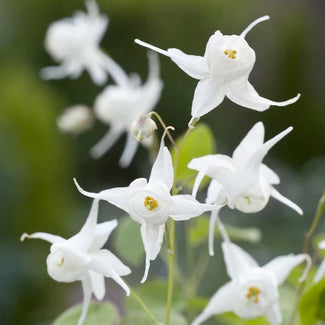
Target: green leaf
[
  {"x": 199, "y": 232},
  {"x": 154, "y": 295},
  {"x": 141, "y": 318},
  {"x": 312, "y": 304},
  {"x": 199, "y": 142},
  {"x": 98, "y": 314},
  {"x": 128, "y": 242}
]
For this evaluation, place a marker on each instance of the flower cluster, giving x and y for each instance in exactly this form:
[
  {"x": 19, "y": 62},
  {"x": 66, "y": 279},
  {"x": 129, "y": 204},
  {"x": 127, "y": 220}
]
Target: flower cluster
[{"x": 240, "y": 182}]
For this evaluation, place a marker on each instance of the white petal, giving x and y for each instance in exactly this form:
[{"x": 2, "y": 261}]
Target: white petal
[
  {"x": 44, "y": 236},
  {"x": 96, "y": 71},
  {"x": 219, "y": 303},
  {"x": 58, "y": 72},
  {"x": 237, "y": 260},
  {"x": 184, "y": 207},
  {"x": 209, "y": 93},
  {"x": 253, "y": 140},
  {"x": 214, "y": 193},
  {"x": 97, "y": 284},
  {"x": 129, "y": 151},
  {"x": 151, "y": 47},
  {"x": 243, "y": 93},
  {"x": 282, "y": 266},
  {"x": 162, "y": 170},
  {"x": 284, "y": 200},
  {"x": 119, "y": 281},
  {"x": 269, "y": 175},
  {"x": 195, "y": 66},
  {"x": 152, "y": 237},
  {"x": 105, "y": 143},
  {"x": 253, "y": 24},
  {"x": 321, "y": 244},
  {"x": 102, "y": 232},
  {"x": 87, "y": 290},
  {"x": 273, "y": 314},
  {"x": 320, "y": 272}
]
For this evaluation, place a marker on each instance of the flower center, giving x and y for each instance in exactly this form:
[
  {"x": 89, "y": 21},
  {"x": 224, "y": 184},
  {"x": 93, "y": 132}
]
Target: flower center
[
  {"x": 249, "y": 202},
  {"x": 150, "y": 203},
  {"x": 230, "y": 53},
  {"x": 61, "y": 263},
  {"x": 252, "y": 294}
]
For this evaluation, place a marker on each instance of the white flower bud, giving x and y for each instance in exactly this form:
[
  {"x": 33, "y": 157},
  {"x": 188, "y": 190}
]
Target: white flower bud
[
  {"x": 143, "y": 128},
  {"x": 75, "y": 119}
]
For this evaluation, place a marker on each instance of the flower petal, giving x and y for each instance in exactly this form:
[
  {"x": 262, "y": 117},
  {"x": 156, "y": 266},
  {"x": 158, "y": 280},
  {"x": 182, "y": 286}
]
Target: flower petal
[
  {"x": 282, "y": 266},
  {"x": 241, "y": 92},
  {"x": 97, "y": 284},
  {"x": 106, "y": 142},
  {"x": 129, "y": 151},
  {"x": 253, "y": 24},
  {"x": 152, "y": 237},
  {"x": 87, "y": 290},
  {"x": 53, "y": 239},
  {"x": 102, "y": 232},
  {"x": 269, "y": 175},
  {"x": 209, "y": 93},
  {"x": 58, "y": 72},
  {"x": 237, "y": 260},
  {"x": 185, "y": 207},
  {"x": 220, "y": 303},
  {"x": 273, "y": 314},
  {"x": 320, "y": 272},
  {"x": 284, "y": 200}
]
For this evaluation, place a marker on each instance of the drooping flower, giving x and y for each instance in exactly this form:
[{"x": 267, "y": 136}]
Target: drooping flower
[
  {"x": 74, "y": 43},
  {"x": 81, "y": 258},
  {"x": 150, "y": 204},
  {"x": 75, "y": 119},
  {"x": 222, "y": 71},
  {"x": 321, "y": 269},
  {"x": 121, "y": 105},
  {"x": 242, "y": 181},
  {"x": 143, "y": 128},
  {"x": 253, "y": 290}
]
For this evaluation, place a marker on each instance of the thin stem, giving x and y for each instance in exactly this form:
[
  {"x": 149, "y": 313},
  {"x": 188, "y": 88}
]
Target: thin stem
[{"x": 144, "y": 307}]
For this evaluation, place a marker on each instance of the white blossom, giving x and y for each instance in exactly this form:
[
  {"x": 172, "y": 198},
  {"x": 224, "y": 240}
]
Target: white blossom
[
  {"x": 222, "y": 71},
  {"x": 253, "y": 290},
  {"x": 82, "y": 258},
  {"x": 143, "y": 128},
  {"x": 120, "y": 105}
]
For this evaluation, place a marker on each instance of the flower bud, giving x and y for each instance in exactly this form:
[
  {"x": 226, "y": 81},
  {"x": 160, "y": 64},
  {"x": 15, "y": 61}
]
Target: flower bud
[
  {"x": 143, "y": 128},
  {"x": 75, "y": 120}
]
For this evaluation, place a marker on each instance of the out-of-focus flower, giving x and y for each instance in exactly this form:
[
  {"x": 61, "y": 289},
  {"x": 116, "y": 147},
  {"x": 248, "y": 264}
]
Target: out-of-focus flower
[
  {"x": 253, "y": 290},
  {"x": 143, "y": 128},
  {"x": 242, "y": 181},
  {"x": 80, "y": 258},
  {"x": 150, "y": 203},
  {"x": 74, "y": 43},
  {"x": 222, "y": 71},
  {"x": 321, "y": 269},
  {"x": 121, "y": 105},
  {"x": 75, "y": 119}
]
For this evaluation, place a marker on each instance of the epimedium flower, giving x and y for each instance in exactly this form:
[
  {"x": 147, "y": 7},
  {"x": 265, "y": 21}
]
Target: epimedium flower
[
  {"x": 82, "y": 258},
  {"x": 150, "y": 204},
  {"x": 253, "y": 290},
  {"x": 242, "y": 181},
  {"x": 74, "y": 43},
  {"x": 121, "y": 105},
  {"x": 222, "y": 71}
]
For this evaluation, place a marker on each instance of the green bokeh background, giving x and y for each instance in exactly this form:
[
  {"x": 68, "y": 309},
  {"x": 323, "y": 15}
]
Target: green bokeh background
[{"x": 37, "y": 163}]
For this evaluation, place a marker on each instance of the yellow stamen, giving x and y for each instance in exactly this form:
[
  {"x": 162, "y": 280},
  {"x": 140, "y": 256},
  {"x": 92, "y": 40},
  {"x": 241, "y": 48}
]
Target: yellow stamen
[
  {"x": 61, "y": 263},
  {"x": 248, "y": 200},
  {"x": 230, "y": 53},
  {"x": 252, "y": 294},
  {"x": 150, "y": 203}
]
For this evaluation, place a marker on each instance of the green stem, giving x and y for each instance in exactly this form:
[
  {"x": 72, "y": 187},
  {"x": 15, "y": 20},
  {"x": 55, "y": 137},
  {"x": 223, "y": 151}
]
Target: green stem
[{"x": 144, "y": 307}]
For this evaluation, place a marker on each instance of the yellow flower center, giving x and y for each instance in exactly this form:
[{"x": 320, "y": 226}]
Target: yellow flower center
[
  {"x": 62, "y": 262},
  {"x": 230, "y": 53},
  {"x": 252, "y": 294},
  {"x": 150, "y": 203}
]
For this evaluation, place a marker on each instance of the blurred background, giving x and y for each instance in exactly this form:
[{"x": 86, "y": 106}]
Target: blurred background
[{"x": 37, "y": 162}]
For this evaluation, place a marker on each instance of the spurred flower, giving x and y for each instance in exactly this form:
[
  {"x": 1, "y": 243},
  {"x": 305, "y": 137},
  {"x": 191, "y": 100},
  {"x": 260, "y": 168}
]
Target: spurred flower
[
  {"x": 242, "y": 181},
  {"x": 253, "y": 290},
  {"x": 81, "y": 258},
  {"x": 121, "y": 105},
  {"x": 222, "y": 71},
  {"x": 150, "y": 203}
]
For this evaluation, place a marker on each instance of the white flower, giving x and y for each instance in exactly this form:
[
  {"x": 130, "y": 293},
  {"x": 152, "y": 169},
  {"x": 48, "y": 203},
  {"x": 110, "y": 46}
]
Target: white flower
[
  {"x": 150, "y": 203},
  {"x": 80, "y": 258},
  {"x": 321, "y": 269},
  {"x": 253, "y": 290},
  {"x": 75, "y": 119},
  {"x": 74, "y": 43},
  {"x": 222, "y": 71},
  {"x": 121, "y": 105},
  {"x": 241, "y": 180}
]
